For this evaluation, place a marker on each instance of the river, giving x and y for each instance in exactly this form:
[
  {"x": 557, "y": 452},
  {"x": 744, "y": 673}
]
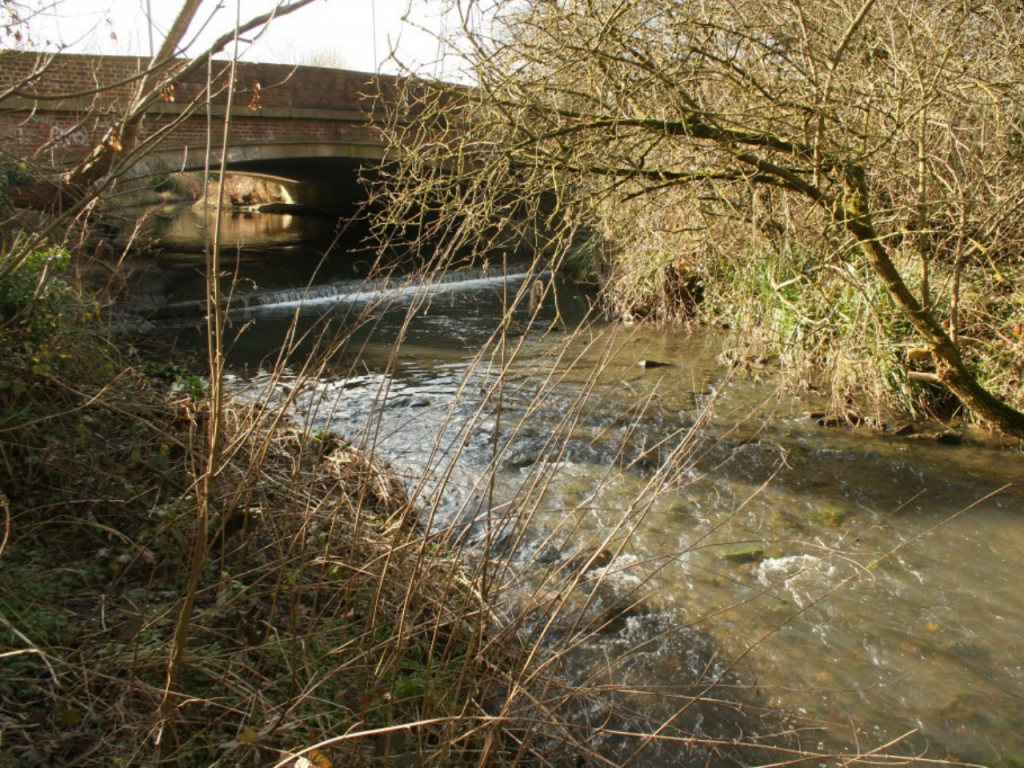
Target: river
[{"x": 847, "y": 587}]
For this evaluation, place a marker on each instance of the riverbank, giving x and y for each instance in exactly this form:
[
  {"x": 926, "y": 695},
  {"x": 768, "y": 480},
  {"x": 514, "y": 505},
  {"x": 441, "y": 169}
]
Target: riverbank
[
  {"x": 835, "y": 328},
  {"x": 289, "y": 605}
]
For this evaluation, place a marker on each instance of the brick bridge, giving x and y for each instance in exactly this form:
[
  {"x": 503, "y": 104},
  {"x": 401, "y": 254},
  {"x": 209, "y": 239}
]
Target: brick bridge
[{"x": 311, "y": 126}]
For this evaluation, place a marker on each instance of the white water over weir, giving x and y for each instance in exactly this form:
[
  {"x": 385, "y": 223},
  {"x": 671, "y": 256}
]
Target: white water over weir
[
  {"x": 724, "y": 566},
  {"x": 386, "y": 290}
]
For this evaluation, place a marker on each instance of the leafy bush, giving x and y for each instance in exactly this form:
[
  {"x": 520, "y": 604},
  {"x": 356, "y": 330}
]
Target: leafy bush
[
  {"x": 29, "y": 288},
  {"x": 45, "y": 322},
  {"x": 10, "y": 175}
]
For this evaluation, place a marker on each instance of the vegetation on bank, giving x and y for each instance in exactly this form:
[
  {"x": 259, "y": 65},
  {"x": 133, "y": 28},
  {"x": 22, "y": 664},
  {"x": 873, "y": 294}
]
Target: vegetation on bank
[
  {"x": 321, "y": 612},
  {"x": 190, "y": 578},
  {"x": 826, "y": 317},
  {"x": 842, "y": 178}
]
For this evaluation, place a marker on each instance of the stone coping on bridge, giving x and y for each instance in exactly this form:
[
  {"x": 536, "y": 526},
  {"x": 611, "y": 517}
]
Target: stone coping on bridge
[{"x": 82, "y": 106}]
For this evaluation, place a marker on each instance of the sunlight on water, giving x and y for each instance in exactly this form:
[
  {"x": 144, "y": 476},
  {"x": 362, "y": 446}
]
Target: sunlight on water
[
  {"x": 871, "y": 576},
  {"x": 864, "y": 585}
]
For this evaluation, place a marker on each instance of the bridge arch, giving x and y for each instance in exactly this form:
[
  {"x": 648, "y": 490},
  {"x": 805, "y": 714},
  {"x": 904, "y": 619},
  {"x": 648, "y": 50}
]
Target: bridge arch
[{"x": 317, "y": 127}]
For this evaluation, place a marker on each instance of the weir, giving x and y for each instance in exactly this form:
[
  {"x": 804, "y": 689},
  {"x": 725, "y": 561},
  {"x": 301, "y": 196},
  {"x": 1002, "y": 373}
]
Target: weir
[{"x": 385, "y": 291}]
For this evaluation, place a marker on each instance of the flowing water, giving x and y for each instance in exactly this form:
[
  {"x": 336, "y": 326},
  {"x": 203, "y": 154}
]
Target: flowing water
[{"x": 848, "y": 586}]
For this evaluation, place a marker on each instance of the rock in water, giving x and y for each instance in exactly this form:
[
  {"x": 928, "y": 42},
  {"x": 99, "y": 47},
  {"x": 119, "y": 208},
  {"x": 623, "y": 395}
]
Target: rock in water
[
  {"x": 654, "y": 364},
  {"x": 589, "y": 560},
  {"x": 840, "y": 419}
]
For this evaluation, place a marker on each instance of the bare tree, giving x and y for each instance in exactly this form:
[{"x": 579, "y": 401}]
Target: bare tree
[{"x": 889, "y": 130}]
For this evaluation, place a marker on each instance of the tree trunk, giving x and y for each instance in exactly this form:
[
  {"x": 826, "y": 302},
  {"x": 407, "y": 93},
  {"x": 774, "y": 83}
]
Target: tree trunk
[
  {"x": 950, "y": 367},
  {"x": 122, "y": 137}
]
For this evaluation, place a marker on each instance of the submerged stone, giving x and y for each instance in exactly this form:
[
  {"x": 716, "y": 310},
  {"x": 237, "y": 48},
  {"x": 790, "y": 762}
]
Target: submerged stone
[
  {"x": 980, "y": 728},
  {"x": 968, "y": 652},
  {"x": 785, "y": 521},
  {"x": 589, "y": 560},
  {"x": 829, "y": 515},
  {"x": 742, "y": 553}
]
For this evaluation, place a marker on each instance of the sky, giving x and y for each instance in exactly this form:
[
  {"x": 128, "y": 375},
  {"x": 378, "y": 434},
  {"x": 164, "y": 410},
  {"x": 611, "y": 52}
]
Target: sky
[{"x": 352, "y": 34}]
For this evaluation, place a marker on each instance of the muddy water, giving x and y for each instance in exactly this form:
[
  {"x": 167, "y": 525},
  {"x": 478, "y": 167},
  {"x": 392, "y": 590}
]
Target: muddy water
[
  {"x": 721, "y": 544},
  {"x": 867, "y": 583}
]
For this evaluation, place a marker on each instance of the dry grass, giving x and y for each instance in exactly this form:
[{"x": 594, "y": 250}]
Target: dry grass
[{"x": 321, "y": 612}]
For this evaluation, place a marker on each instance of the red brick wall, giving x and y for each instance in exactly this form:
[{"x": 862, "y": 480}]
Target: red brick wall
[{"x": 281, "y": 85}]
